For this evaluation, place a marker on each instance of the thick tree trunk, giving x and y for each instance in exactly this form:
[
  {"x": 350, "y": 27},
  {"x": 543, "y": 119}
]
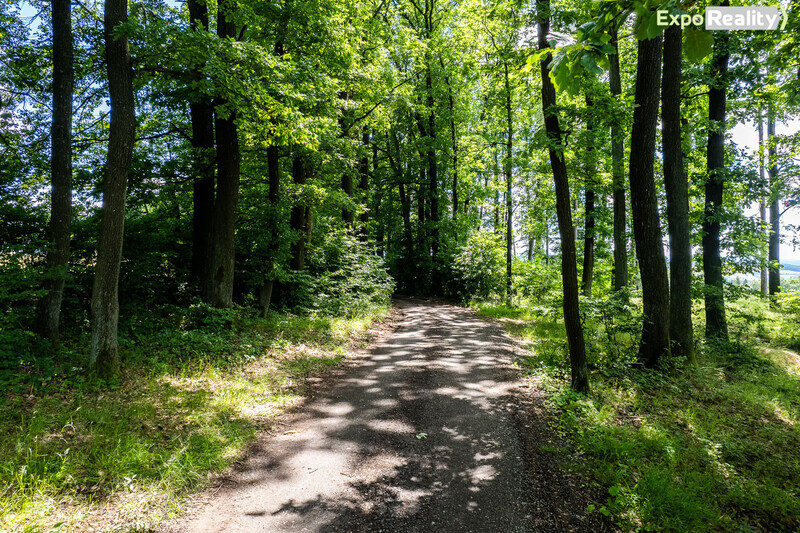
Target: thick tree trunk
[
  {"x": 104, "y": 357},
  {"x": 569, "y": 269},
  {"x": 762, "y": 204},
  {"x": 716, "y": 324},
  {"x": 507, "y": 170},
  {"x": 677, "y": 188},
  {"x": 202, "y": 117},
  {"x": 618, "y": 176},
  {"x": 644, "y": 205},
  {"x": 48, "y": 310},
  {"x": 220, "y": 293},
  {"x": 774, "y": 209}
]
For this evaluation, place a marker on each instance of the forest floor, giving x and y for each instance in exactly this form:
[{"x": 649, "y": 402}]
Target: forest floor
[{"x": 432, "y": 428}]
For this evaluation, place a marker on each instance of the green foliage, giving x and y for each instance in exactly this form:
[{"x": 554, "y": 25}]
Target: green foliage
[
  {"x": 197, "y": 387},
  {"x": 478, "y": 268}
]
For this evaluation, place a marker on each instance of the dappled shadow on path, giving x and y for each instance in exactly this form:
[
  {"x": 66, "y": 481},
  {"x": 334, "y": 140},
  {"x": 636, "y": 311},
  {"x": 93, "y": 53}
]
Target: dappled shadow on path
[{"x": 419, "y": 435}]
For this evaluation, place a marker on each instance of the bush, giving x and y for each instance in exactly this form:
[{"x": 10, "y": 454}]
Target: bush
[{"x": 478, "y": 268}]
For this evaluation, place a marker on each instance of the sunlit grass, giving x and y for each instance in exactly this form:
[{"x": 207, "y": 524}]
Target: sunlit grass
[
  {"x": 713, "y": 448},
  {"x": 188, "y": 404}
]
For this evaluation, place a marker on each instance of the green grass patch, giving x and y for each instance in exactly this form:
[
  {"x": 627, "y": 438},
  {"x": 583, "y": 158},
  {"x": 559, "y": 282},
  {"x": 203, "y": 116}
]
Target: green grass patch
[
  {"x": 716, "y": 448},
  {"x": 195, "y": 390}
]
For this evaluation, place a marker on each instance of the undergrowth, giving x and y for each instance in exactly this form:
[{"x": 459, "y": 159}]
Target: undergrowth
[
  {"x": 197, "y": 386},
  {"x": 713, "y": 448}
]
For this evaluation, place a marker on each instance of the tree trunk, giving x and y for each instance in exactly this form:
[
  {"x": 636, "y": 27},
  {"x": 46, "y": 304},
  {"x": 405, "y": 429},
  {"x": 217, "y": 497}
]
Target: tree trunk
[
  {"x": 618, "y": 176},
  {"x": 363, "y": 185},
  {"x": 104, "y": 357},
  {"x": 507, "y": 170},
  {"x": 48, "y": 310},
  {"x": 589, "y": 214},
  {"x": 762, "y": 204},
  {"x": 297, "y": 219},
  {"x": 677, "y": 188},
  {"x": 774, "y": 209},
  {"x": 220, "y": 293},
  {"x": 433, "y": 183},
  {"x": 569, "y": 269},
  {"x": 716, "y": 324},
  {"x": 202, "y": 117},
  {"x": 644, "y": 205}
]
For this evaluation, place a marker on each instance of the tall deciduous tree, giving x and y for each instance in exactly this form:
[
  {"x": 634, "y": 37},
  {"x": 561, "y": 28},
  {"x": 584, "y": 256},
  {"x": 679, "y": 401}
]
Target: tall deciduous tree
[
  {"x": 644, "y": 205},
  {"x": 677, "y": 188},
  {"x": 618, "y": 174},
  {"x": 716, "y": 324},
  {"x": 774, "y": 208},
  {"x": 49, "y": 308},
  {"x": 569, "y": 269},
  {"x": 201, "y": 111},
  {"x": 220, "y": 291},
  {"x": 104, "y": 356}
]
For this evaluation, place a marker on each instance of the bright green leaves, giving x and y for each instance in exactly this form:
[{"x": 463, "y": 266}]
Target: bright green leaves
[{"x": 697, "y": 44}]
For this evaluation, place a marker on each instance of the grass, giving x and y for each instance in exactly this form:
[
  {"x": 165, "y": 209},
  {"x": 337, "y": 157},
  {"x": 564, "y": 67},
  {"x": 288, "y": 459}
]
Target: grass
[
  {"x": 196, "y": 389},
  {"x": 716, "y": 448}
]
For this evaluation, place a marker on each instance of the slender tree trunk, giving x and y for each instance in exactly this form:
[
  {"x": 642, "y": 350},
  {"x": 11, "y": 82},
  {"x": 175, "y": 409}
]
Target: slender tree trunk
[
  {"x": 297, "y": 219},
  {"x": 202, "y": 117},
  {"x": 589, "y": 217},
  {"x": 569, "y": 269},
  {"x": 716, "y": 324},
  {"x": 507, "y": 170},
  {"x": 433, "y": 183},
  {"x": 48, "y": 310},
  {"x": 762, "y": 204},
  {"x": 363, "y": 185},
  {"x": 774, "y": 209},
  {"x": 104, "y": 357},
  {"x": 347, "y": 178},
  {"x": 646, "y": 222},
  {"x": 677, "y": 188},
  {"x": 618, "y": 176},
  {"x": 273, "y": 175},
  {"x": 454, "y": 141},
  {"x": 220, "y": 293}
]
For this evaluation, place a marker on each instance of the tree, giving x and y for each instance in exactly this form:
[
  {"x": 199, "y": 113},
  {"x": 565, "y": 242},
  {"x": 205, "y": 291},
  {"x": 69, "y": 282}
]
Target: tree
[
  {"x": 774, "y": 209},
  {"x": 49, "y": 308},
  {"x": 716, "y": 324},
  {"x": 569, "y": 269},
  {"x": 655, "y": 342},
  {"x": 104, "y": 356},
  {"x": 220, "y": 290},
  {"x": 618, "y": 173},
  {"x": 677, "y": 189}
]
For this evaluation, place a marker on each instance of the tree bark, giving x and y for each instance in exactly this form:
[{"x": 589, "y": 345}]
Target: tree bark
[
  {"x": 48, "y": 310},
  {"x": 677, "y": 189},
  {"x": 220, "y": 293},
  {"x": 589, "y": 214},
  {"x": 297, "y": 219},
  {"x": 618, "y": 176},
  {"x": 363, "y": 185},
  {"x": 762, "y": 204},
  {"x": 202, "y": 117},
  {"x": 569, "y": 269},
  {"x": 774, "y": 209},
  {"x": 644, "y": 205},
  {"x": 104, "y": 356},
  {"x": 716, "y": 324},
  {"x": 507, "y": 170}
]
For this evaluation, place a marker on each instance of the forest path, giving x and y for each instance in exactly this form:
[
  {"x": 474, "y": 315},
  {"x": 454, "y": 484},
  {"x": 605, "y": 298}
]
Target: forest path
[{"x": 430, "y": 430}]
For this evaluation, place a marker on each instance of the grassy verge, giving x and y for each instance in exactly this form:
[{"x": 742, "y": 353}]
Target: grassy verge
[
  {"x": 715, "y": 448},
  {"x": 196, "y": 389}
]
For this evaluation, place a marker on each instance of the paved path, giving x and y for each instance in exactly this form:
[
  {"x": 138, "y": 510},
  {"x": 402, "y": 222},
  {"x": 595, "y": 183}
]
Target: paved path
[{"x": 418, "y": 435}]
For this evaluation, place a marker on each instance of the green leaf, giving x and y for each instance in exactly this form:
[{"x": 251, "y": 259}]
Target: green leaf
[
  {"x": 590, "y": 64},
  {"x": 697, "y": 44}
]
